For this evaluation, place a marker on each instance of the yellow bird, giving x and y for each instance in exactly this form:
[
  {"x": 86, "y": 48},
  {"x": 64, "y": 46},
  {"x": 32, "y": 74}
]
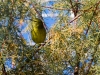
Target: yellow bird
[{"x": 38, "y": 32}]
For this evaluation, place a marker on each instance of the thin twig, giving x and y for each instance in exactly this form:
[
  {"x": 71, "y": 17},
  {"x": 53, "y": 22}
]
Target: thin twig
[
  {"x": 72, "y": 5},
  {"x": 76, "y": 18},
  {"x": 49, "y": 7},
  {"x": 4, "y": 70},
  {"x": 68, "y": 9},
  {"x": 92, "y": 17},
  {"x": 96, "y": 48},
  {"x": 39, "y": 16},
  {"x": 84, "y": 11}
]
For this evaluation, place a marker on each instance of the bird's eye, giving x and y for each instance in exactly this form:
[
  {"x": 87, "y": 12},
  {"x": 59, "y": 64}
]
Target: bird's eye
[{"x": 34, "y": 21}]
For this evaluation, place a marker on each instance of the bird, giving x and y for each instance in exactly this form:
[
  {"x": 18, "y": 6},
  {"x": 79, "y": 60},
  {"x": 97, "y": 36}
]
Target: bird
[{"x": 38, "y": 31}]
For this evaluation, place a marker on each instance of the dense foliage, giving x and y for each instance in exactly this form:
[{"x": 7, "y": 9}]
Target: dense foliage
[{"x": 72, "y": 45}]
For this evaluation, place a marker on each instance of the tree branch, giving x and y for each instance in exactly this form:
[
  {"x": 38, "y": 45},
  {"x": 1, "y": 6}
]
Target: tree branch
[
  {"x": 97, "y": 4},
  {"x": 40, "y": 16},
  {"x": 76, "y": 18},
  {"x": 3, "y": 70},
  {"x": 96, "y": 48},
  {"x": 85, "y": 11}
]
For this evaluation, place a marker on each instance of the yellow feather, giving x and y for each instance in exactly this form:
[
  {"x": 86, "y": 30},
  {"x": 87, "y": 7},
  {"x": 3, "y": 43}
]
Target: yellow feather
[{"x": 38, "y": 31}]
